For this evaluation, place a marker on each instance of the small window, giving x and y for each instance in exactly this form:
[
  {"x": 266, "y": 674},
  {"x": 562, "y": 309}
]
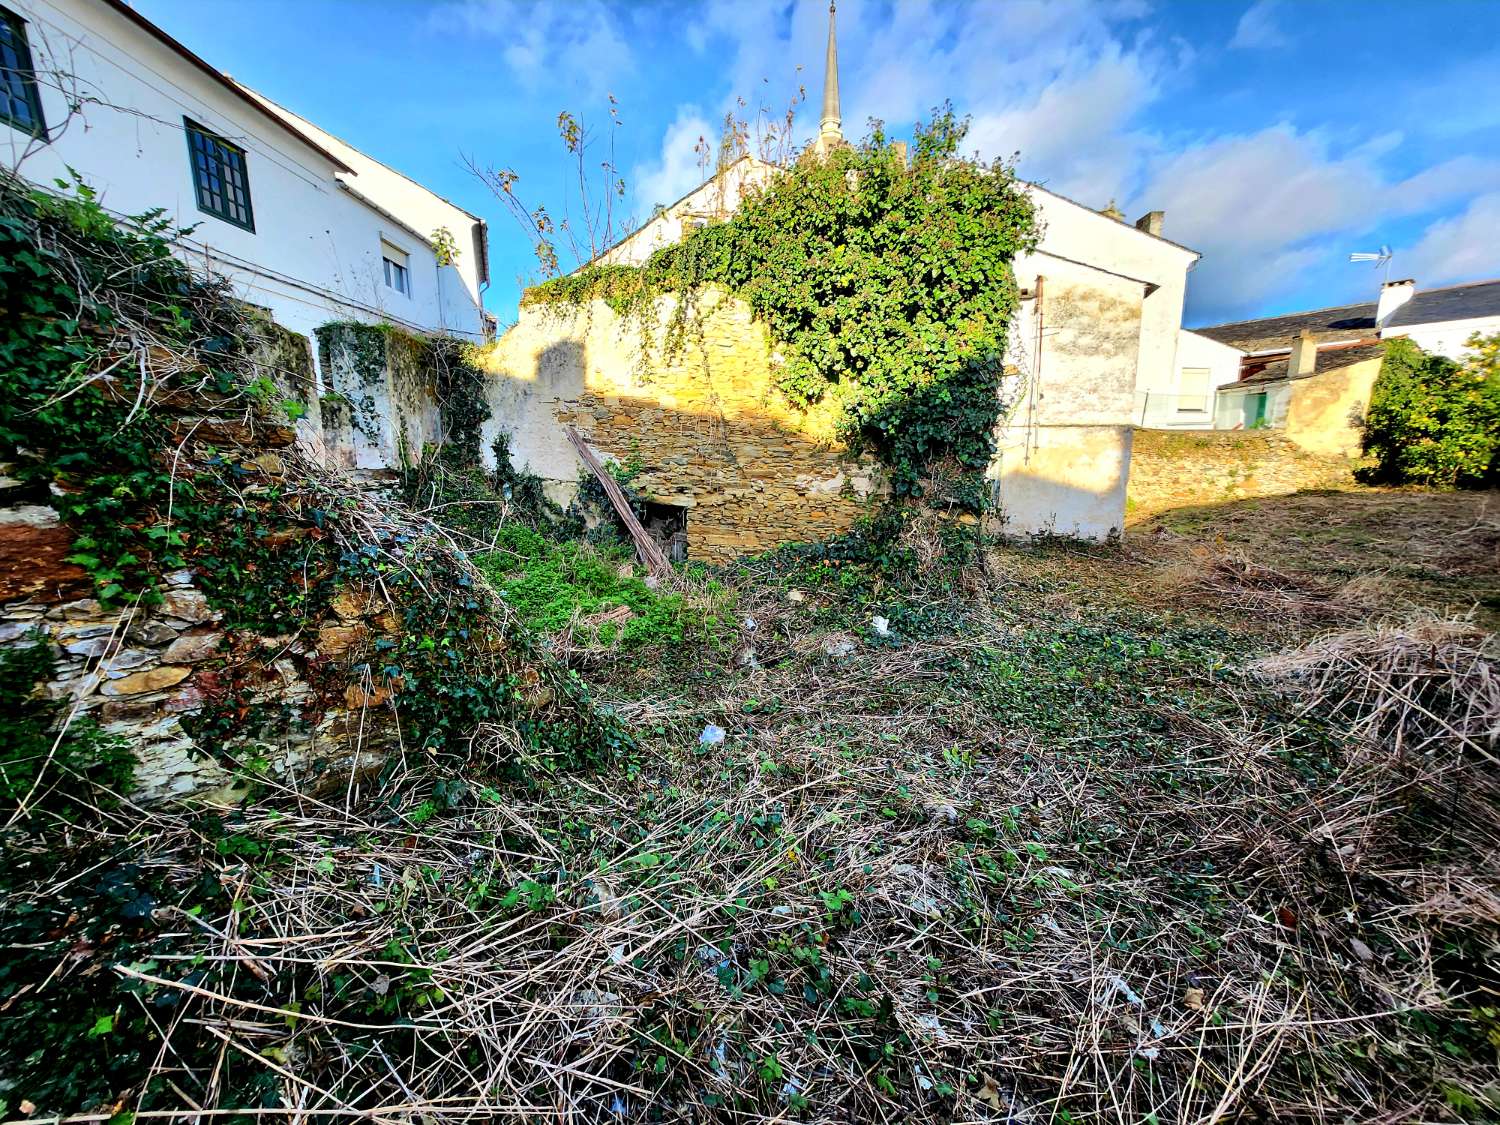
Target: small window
[
  {"x": 219, "y": 176},
  {"x": 20, "y": 106},
  {"x": 1195, "y": 390},
  {"x": 394, "y": 261},
  {"x": 667, "y": 524}
]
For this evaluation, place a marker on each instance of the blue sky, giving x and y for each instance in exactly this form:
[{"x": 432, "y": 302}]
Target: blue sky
[{"x": 1278, "y": 135}]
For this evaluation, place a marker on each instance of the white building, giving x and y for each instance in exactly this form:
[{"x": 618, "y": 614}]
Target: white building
[
  {"x": 1440, "y": 320},
  {"x": 1099, "y": 319},
  {"x": 301, "y": 223},
  {"x": 1186, "y": 399}
]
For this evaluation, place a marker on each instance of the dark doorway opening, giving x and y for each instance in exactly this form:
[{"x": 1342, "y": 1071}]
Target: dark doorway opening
[{"x": 667, "y": 524}]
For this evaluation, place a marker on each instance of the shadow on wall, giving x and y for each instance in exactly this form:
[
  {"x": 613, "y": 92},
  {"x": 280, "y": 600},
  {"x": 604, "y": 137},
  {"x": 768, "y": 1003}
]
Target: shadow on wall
[
  {"x": 1072, "y": 485},
  {"x": 741, "y": 477},
  {"x": 724, "y": 453}
]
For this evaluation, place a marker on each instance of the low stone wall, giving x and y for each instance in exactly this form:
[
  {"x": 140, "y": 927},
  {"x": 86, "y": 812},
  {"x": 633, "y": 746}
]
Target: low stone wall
[{"x": 1183, "y": 469}]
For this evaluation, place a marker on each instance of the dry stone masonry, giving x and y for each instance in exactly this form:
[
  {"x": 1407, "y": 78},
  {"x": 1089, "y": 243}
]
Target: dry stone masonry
[{"x": 704, "y": 421}]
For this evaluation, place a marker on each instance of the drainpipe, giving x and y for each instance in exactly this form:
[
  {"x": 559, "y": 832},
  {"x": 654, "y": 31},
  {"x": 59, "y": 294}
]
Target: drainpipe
[{"x": 1032, "y": 429}]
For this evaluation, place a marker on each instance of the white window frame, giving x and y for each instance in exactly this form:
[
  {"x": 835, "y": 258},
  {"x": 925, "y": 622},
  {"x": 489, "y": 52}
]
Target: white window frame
[
  {"x": 395, "y": 264},
  {"x": 1203, "y": 399}
]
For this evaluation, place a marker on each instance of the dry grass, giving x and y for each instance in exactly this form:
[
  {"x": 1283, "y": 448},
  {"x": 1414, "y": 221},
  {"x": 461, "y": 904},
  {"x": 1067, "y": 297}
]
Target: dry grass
[{"x": 1038, "y": 856}]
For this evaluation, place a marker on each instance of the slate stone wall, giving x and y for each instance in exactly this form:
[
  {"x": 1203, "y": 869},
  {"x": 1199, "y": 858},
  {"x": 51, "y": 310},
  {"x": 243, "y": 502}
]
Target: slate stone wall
[
  {"x": 705, "y": 421},
  {"x": 1191, "y": 468}
]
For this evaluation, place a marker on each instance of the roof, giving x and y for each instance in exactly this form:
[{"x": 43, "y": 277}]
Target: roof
[
  {"x": 1329, "y": 359},
  {"x": 125, "y": 11},
  {"x": 283, "y": 113},
  {"x": 1123, "y": 222},
  {"x": 1271, "y": 333},
  {"x": 1451, "y": 302}
]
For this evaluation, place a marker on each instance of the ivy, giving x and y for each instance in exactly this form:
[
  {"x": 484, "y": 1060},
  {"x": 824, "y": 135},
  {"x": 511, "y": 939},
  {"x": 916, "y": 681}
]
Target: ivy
[
  {"x": 86, "y": 304},
  {"x": 888, "y": 286},
  {"x": 51, "y": 773}
]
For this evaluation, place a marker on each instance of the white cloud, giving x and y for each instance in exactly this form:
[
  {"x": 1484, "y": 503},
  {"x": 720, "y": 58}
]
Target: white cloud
[
  {"x": 1075, "y": 136},
  {"x": 542, "y": 38},
  {"x": 1264, "y": 207},
  {"x": 1258, "y": 29},
  {"x": 1068, "y": 84},
  {"x": 1465, "y": 247},
  {"x": 676, "y": 170}
]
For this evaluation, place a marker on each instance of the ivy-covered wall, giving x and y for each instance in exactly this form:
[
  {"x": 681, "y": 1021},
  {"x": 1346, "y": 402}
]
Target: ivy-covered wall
[{"x": 184, "y": 581}]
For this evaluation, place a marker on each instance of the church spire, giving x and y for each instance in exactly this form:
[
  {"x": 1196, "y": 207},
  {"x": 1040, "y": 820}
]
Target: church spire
[{"x": 829, "y": 136}]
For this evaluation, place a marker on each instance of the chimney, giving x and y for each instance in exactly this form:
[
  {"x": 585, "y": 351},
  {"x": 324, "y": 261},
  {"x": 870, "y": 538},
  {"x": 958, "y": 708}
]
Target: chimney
[
  {"x": 1393, "y": 294},
  {"x": 900, "y": 147},
  {"x": 1304, "y": 357},
  {"x": 1150, "y": 222}
]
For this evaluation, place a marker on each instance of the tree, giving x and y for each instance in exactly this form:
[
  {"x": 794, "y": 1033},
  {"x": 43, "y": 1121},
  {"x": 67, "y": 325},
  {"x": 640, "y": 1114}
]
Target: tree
[{"x": 1433, "y": 421}]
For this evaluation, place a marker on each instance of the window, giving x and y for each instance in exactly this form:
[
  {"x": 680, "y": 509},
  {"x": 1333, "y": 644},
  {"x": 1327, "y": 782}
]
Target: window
[
  {"x": 20, "y": 106},
  {"x": 1194, "y": 396},
  {"x": 219, "y": 176},
  {"x": 397, "y": 275}
]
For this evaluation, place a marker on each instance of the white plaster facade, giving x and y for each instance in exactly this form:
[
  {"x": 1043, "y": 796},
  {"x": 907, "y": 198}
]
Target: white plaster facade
[
  {"x": 1101, "y": 321},
  {"x": 1446, "y": 337},
  {"x": 1188, "y": 400},
  {"x": 716, "y": 198},
  {"x": 322, "y": 212}
]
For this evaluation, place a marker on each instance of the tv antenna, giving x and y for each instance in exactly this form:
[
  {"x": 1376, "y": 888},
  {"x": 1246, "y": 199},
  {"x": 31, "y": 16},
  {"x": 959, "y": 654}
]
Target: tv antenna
[{"x": 1382, "y": 258}]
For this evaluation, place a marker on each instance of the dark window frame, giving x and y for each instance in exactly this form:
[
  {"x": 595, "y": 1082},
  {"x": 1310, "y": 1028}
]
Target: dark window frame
[
  {"x": 209, "y": 198},
  {"x": 25, "y": 69}
]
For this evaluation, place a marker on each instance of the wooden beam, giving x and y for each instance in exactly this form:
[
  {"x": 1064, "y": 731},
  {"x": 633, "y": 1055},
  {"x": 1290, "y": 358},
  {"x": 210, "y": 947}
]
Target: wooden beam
[{"x": 650, "y": 554}]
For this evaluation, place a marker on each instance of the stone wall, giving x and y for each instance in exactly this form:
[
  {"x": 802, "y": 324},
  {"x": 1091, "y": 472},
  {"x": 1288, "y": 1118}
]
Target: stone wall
[
  {"x": 712, "y": 433},
  {"x": 145, "y": 673},
  {"x": 205, "y": 707},
  {"x": 1181, "y": 469}
]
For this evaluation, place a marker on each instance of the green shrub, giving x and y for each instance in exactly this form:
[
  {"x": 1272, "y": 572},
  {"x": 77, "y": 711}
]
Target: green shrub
[{"x": 1435, "y": 422}]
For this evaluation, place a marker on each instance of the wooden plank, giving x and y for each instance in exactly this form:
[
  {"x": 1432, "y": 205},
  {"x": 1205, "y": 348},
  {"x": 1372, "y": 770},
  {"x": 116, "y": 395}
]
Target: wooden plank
[{"x": 650, "y": 554}]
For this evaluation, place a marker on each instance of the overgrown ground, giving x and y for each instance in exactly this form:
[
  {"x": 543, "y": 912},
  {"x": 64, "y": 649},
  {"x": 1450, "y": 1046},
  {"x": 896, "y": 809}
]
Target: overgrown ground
[{"x": 1056, "y": 844}]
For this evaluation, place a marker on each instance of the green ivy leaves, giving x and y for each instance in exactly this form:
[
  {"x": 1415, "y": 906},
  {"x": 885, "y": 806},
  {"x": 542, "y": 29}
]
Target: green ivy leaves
[{"x": 890, "y": 287}]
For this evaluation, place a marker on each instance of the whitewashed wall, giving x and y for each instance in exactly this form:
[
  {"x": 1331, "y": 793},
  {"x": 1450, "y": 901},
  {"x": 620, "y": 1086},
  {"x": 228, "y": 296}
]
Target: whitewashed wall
[
  {"x": 1170, "y": 405},
  {"x": 1449, "y": 338},
  {"x": 458, "y": 286},
  {"x": 1078, "y": 233},
  {"x": 315, "y": 253}
]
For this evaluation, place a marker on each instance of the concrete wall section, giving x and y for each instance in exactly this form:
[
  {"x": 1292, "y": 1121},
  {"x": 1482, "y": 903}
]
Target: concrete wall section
[{"x": 1069, "y": 480}]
